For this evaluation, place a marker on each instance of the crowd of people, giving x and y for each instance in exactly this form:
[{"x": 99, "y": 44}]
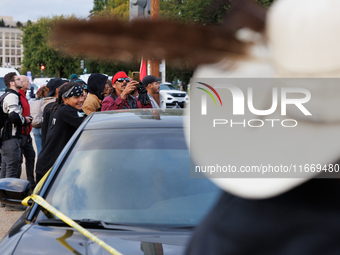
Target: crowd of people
[{"x": 59, "y": 109}]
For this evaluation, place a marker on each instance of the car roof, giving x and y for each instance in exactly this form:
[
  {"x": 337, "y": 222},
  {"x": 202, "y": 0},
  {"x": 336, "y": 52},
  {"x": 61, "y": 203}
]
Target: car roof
[{"x": 136, "y": 118}]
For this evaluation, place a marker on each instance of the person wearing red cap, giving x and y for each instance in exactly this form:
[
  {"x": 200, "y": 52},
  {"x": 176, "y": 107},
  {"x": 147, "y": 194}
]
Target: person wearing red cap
[{"x": 123, "y": 95}]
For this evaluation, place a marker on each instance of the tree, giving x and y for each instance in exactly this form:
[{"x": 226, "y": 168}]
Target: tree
[
  {"x": 112, "y": 8},
  {"x": 19, "y": 24},
  {"x": 191, "y": 11},
  {"x": 2, "y": 23},
  {"x": 98, "y": 5},
  {"x": 39, "y": 51}
]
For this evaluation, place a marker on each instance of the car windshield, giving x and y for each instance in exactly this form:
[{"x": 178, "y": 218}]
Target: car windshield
[
  {"x": 2, "y": 85},
  {"x": 132, "y": 176},
  {"x": 167, "y": 87}
]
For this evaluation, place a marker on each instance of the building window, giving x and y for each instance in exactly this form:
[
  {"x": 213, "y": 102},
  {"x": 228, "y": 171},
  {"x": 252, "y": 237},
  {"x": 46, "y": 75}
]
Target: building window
[
  {"x": 1, "y": 54},
  {"x": 13, "y": 36},
  {"x": 12, "y": 44},
  {"x": 6, "y": 43},
  {"x": 13, "y": 52},
  {"x": 12, "y": 61},
  {"x": 18, "y": 52},
  {"x": 1, "y": 43},
  {"x": 0, "y": 35},
  {"x": 19, "y": 61},
  {"x": 18, "y": 36},
  {"x": 6, "y": 51},
  {"x": 19, "y": 44},
  {"x": 6, "y": 35}
]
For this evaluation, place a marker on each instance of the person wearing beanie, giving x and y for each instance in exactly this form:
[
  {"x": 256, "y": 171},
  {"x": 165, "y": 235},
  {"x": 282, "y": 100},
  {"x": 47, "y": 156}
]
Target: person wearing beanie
[
  {"x": 152, "y": 85},
  {"x": 97, "y": 86},
  {"x": 123, "y": 95},
  {"x": 74, "y": 77},
  {"x": 66, "y": 119}
]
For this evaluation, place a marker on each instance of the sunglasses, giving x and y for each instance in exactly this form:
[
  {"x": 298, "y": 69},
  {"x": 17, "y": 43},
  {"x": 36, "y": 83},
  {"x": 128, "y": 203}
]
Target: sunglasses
[{"x": 123, "y": 79}]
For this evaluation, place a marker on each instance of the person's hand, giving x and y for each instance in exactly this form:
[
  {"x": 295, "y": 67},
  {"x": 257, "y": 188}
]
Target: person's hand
[
  {"x": 130, "y": 87},
  {"x": 28, "y": 119}
]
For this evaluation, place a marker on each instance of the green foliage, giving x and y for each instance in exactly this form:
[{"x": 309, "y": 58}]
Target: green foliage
[
  {"x": 113, "y": 8},
  {"x": 193, "y": 11},
  {"x": 265, "y": 3},
  {"x": 110, "y": 68},
  {"x": 19, "y": 24},
  {"x": 38, "y": 50},
  {"x": 98, "y": 5},
  {"x": 2, "y": 23}
]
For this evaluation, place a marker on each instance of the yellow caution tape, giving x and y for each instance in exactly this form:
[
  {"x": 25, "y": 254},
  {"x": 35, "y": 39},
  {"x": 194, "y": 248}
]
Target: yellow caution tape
[
  {"x": 41, "y": 182},
  {"x": 63, "y": 242},
  {"x": 40, "y": 201}
]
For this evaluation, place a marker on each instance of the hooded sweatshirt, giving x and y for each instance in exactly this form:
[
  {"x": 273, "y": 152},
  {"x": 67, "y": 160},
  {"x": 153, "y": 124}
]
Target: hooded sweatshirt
[
  {"x": 95, "y": 86},
  {"x": 47, "y": 110}
]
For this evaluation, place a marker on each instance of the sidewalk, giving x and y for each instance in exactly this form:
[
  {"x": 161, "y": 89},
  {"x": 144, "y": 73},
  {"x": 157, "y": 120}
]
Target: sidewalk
[{"x": 8, "y": 218}]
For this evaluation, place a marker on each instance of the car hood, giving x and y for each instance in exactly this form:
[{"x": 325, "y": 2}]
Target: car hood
[
  {"x": 59, "y": 240},
  {"x": 169, "y": 91}
]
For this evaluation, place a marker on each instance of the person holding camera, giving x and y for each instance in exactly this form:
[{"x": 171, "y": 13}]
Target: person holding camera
[{"x": 124, "y": 94}]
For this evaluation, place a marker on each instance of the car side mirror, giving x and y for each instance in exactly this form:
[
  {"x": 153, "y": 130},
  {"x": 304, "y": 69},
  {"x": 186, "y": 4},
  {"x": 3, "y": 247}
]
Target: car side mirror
[{"x": 13, "y": 190}]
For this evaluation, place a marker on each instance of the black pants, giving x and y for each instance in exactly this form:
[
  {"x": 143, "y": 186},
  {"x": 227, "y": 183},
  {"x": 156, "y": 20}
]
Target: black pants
[{"x": 28, "y": 152}]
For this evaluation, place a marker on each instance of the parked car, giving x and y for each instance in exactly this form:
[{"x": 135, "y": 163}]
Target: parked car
[
  {"x": 125, "y": 177},
  {"x": 41, "y": 81},
  {"x": 172, "y": 96},
  {"x": 3, "y": 72},
  {"x": 85, "y": 77}
]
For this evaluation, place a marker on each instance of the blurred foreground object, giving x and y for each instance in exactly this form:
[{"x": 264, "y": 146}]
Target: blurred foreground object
[{"x": 114, "y": 39}]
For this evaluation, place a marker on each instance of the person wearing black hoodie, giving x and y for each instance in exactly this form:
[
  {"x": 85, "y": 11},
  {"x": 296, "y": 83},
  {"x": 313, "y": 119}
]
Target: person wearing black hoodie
[
  {"x": 97, "y": 85},
  {"x": 49, "y": 101},
  {"x": 66, "y": 119}
]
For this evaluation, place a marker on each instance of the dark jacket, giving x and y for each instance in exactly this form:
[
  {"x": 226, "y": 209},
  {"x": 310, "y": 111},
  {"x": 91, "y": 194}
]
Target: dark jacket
[
  {"x": 302, "y": 221},
  {"x": 46, "y": 119},
  {"x": 65, "y": 122}
]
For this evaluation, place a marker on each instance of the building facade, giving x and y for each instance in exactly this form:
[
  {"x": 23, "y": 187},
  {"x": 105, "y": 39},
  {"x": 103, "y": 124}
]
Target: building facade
[{"x": 11, "y": 49}]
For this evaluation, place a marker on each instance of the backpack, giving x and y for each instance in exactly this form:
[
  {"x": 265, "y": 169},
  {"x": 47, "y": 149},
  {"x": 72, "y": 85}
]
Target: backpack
[{"x": 3, "y": 116}]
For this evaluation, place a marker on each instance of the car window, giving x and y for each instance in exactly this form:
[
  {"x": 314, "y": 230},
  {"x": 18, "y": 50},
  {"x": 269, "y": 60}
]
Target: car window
[
  {"x": 167, "y": 87},
  {"x": 2, "y": 85},
  {"x": 132, "y": 176}
]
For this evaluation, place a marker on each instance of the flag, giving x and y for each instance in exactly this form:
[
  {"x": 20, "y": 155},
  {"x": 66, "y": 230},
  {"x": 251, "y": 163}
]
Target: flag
[{"x": 142, "y": 71}]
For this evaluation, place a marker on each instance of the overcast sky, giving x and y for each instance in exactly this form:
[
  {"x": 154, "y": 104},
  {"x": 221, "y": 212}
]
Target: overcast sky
[{"x": 23, "y": 10}]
